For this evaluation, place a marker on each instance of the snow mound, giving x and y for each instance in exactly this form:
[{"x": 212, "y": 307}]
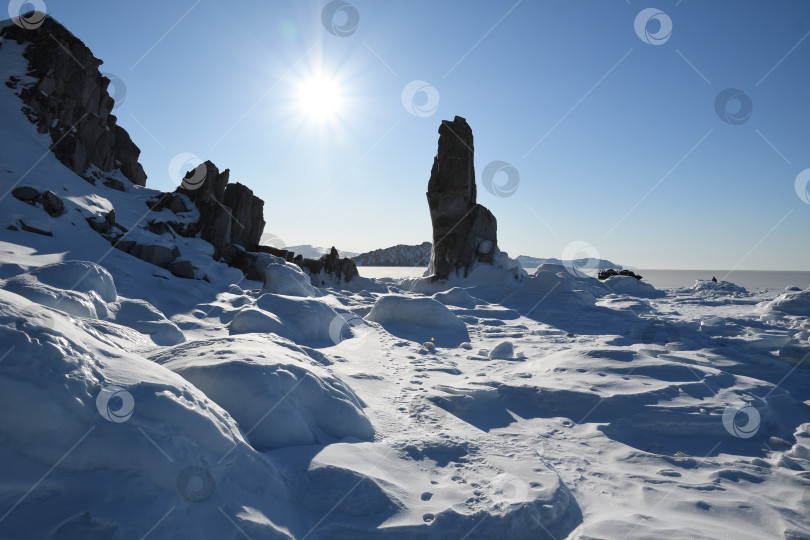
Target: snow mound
[
  {"x": 707, "y": 287},
  {"x": 792, "y": 303},
  {"x": 303, "y": 320},
  {"x": 88, "y": 414},
  {"x": 393, "y": 309},
  {"x": 632, "y": 287},
  {"x": 250, "y": 320},
  {"x": 419, "y": 318},
  {"x": 281, "y": 277},
  {"x": 275, "y": 394},
  {"x": 79, "y": 276},
  {"x": 504, "y": 350},
  {"x": 456, "y": 297},
  {"x": 142, "y": 316}
]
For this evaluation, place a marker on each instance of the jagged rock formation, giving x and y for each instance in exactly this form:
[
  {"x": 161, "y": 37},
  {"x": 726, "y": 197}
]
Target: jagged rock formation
[
  {"x": 463, "y": 231},
  {"x": 399, "y": 255},
  {"x": 229, "y": 213},
  {"x": 69, "y": 100}
]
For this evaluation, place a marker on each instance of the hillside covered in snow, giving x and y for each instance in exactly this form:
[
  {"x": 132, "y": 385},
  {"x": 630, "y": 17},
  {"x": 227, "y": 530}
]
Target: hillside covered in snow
[{"x": 156, "y": 382}]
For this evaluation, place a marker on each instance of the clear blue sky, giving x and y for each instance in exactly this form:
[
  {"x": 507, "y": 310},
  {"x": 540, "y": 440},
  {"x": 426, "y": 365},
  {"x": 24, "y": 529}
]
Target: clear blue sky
[{"x": 615, "y": 117}]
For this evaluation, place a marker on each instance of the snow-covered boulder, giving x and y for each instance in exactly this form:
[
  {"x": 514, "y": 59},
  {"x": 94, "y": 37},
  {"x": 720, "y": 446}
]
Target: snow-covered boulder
[
  {"x": 276, "y": 394},
  {"x": 418, "y": 318},
  {"x": 80, "y": 288},
  {"x": 281, "y": 277},
  {"x": 393, "y": 309},
  {"x": 632, "y": 287},
  {"x": 456, "y": 297},
  {"x": 142, "y": 316},
  {"x": 792, "y": 303},
  {"x": 707, "y": 287},
  {"x": 91, "y": 415},
  {"x": 303, "y": 320}
]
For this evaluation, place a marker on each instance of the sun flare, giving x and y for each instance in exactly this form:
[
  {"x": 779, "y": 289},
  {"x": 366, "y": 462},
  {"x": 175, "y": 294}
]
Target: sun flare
[{"x": 319, "y": 97}]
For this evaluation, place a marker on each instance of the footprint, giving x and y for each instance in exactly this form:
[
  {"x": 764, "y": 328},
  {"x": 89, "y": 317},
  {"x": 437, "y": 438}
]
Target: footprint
[{"x": 426, "y": 496}]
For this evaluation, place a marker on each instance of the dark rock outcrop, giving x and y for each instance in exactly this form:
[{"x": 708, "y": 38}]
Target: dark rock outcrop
[
  {"x": 463, "y": 231},
  {"x": 69, "y": 101},
  {"x": 229, "y": 213},
  {"x": 48, "y": 200},
  {"x": 399, "y": 255}
]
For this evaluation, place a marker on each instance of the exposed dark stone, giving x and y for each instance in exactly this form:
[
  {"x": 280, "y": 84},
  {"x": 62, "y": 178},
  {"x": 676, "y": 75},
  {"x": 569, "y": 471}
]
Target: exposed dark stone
[
  {"x": 52, "y": 204},
  {"x": 463, "y": 231},
  {"x": 69, "y": 101},
  {"x": 112, "y": 183},
  {"x": 610, "y": 272},
  {"x": 25, "y": 193},
  {"x": 154, "y": 254},
  {"x": 247, "y": 215},
  {"x": 182, "y": 268},
  {"x": 34, "y": 229}
]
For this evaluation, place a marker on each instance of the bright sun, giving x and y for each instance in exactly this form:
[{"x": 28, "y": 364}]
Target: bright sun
[{"x": 319, "y": 97}]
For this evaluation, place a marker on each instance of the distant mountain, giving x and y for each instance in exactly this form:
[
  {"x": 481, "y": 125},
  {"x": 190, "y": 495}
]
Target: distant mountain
[
  {"x": 313, "y": 252},
  {"x": 399, "y": 255},
  {"x": 533, "y": 262}
]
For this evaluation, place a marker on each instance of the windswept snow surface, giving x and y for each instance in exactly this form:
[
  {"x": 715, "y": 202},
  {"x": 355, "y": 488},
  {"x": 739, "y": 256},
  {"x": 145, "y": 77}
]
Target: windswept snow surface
[{"x": 136, "y": 404}]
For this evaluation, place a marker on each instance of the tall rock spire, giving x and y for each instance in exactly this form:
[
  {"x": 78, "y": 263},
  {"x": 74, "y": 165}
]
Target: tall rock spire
[{"x": 463, "y": 231}]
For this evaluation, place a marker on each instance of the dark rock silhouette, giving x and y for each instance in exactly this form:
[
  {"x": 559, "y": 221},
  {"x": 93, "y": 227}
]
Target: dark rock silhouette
[
  {"x": 610, "y": 272},
  {"x": 463, "y": 231},
  {"x": 399, "y": 255},
  {"x": 69, "y": 101},
  {"x": 48, "y": 200}
]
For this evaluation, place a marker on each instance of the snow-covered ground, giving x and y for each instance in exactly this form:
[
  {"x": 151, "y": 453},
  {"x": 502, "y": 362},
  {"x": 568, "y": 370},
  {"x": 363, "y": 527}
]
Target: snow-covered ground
[{"x": 136, "y": 404}]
